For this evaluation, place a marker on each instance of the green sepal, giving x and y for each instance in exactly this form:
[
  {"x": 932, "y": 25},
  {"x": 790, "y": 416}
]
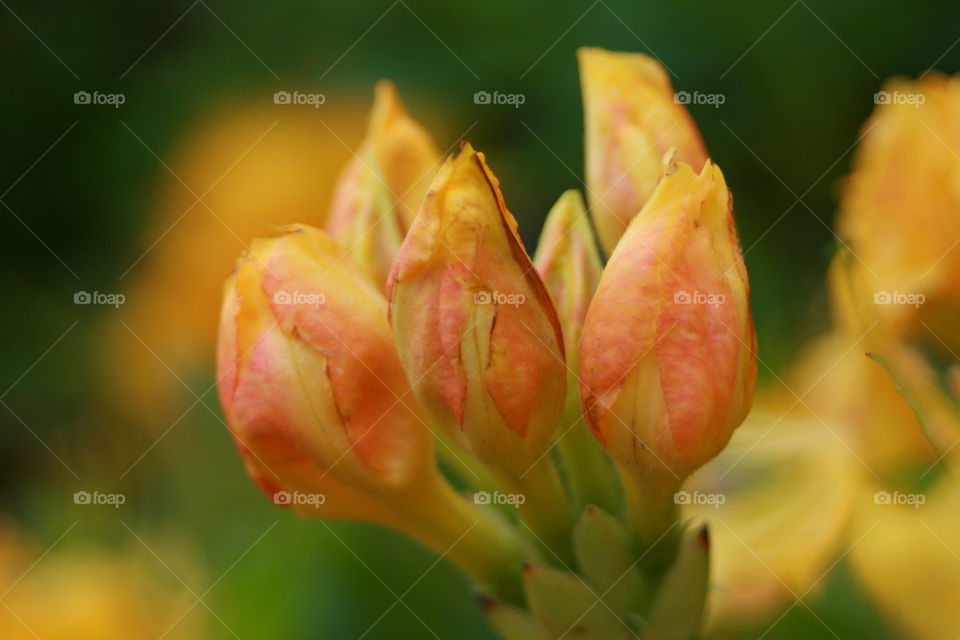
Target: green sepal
[
  {"x": 568, "y": 607},
  {"x": 602, "y": 548},
  {"x": 679, "y": 604}
]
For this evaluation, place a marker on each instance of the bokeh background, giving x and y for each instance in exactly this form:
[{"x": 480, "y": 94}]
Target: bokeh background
[{"x": 153, "y": 199}]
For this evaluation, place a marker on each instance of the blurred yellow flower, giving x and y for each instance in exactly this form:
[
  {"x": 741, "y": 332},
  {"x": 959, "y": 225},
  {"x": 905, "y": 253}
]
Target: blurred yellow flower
[
  {"x": 255, "y": 167},
  {"x": 83, "y": 593}
]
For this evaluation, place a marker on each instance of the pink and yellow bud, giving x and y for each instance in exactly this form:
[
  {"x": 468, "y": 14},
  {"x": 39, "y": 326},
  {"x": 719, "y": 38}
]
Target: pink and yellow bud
[
  {"x": 380, "y": 190},
  {"x": 477, "y": 332},
  {"x": 315, "y": 395},
  {"x": 308, "y": 375},
  {"x": 569, "y": 262},
  {"x": 632, "y": 118},
  {"x": 667, "y": 357}
]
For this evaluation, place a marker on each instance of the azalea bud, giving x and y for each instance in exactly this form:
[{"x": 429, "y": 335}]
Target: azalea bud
[
  {"x": 569, "y": 263},
  {"x": 315, "y": 395},
  {"x": 380, "y": 190},
  {"x": 667, "y": 357},
  {"x": 477, "y": 332},
  {"x": 633, "y": 117},
  {"x": 308, "y": 371},
  {"x": 568, "y": 260}
]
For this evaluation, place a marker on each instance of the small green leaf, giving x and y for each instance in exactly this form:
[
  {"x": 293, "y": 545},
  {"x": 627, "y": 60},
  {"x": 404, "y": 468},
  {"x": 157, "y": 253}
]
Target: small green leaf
[
  {"x": 679, "y": 605},
  {"x": 512, "y": 623},
  {"x": 602, "y": 548},
  {"x": 567, "y": 607}
]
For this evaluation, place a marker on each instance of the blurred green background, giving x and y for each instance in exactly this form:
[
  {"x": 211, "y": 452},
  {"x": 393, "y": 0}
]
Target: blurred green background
[{"x": 80, "y": 185}]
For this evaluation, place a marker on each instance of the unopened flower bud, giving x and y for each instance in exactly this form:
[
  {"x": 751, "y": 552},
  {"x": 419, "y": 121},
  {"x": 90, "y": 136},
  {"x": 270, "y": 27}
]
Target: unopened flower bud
[
  {"x": 569, "y": 263},
  {"x": 667, "y": 357},
  {"x": 632, "y": 118},
  {"x": 477, "y": 332},
  {"x": 308, "y": 374},
  {"x": 380, "y": 190}
]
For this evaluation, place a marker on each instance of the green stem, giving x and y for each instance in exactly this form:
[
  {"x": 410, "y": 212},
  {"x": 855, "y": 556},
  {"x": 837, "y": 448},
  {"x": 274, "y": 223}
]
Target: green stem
[
  {"x": 653, "y": 516},
  {"x": 485, "y": 549},
  {"x": 546, "y": 509},
  {"x": 468, "y": 469}
]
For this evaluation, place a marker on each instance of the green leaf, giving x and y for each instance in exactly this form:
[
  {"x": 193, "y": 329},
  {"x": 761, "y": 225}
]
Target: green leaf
[
  {"x": 678, "y": 607},
  {"x": 512, "y": 623},
  {"x": 602, "y": 548},
  {"x": 567, "y": 607}
]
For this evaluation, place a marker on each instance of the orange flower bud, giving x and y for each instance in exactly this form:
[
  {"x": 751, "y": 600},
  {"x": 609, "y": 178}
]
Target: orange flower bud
[
  {"x": 308, "y": 371},
  {"x": 632, "y": 119},
  {"x": 667, "y": 357},
  {"x": 380, "y": 190},
  {"x": 478, "y": 335},
  {"x": 315, "y": 395}
]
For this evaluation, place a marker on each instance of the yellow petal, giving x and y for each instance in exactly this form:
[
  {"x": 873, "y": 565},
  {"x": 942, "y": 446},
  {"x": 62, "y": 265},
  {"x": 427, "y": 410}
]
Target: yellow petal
[
  {"x": 777, "y": 500},
  {"x": 906, "y": 556},
  {"x": 899, "y": 209}
]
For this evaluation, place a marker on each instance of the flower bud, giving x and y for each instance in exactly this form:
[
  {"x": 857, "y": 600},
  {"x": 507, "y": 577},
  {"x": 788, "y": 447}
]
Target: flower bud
[
  {"x": 667, "y": 357},
  {"x": 380, "y": 190},
  {"x": 309, "y": 378},
  {"x": 633, "y": 117},
  {"x": 477, "y": 332},
  {"x": 569, "y": 263}
]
